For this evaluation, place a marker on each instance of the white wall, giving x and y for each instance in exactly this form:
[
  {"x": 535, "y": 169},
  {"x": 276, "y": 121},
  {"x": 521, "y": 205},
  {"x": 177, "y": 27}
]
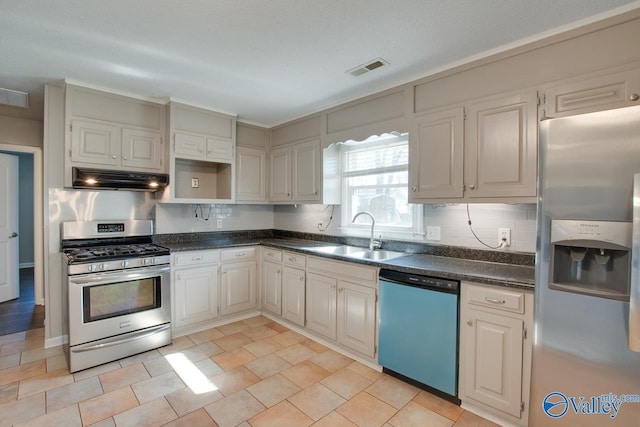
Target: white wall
[
  {"x": 452, "y": 220},
  {"x": 179, "y": 218}
]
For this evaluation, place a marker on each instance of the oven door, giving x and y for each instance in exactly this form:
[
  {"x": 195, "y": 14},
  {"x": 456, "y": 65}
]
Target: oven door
[{"x": 107, "y": 304}]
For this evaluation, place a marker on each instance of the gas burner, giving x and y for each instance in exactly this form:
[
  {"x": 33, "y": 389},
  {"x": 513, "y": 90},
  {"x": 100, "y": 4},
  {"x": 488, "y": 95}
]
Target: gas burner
[{"x": 100, "y": 253}]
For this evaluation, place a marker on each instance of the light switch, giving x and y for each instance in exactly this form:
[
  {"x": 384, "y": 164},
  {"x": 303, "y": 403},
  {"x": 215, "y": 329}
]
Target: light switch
[{"x": 195, "y": 183}]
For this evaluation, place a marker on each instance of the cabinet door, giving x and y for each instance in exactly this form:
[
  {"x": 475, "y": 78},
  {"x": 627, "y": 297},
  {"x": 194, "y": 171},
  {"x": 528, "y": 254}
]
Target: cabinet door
[
  {"x": 293, "y": 294},
  {"x": 280, "y": 175},
  {"x": 95, "y": 142},
  {"x": 195, "y": 295},
  {"x": 357, "y": 317},
  {"x": 191, "y": 145},
  {"x": 219, "y": 149},
  {"x": 250, "y": 175},
  {"x": 491, "y": 351},
  {"x": 272, "y": 287},
  {"x": 436, "y": 146},
  {"x": 141, "y": 149},
  {"x": 501, "y": 147},
  {"x": 596, "y": 94},
  {"x": 305, "y": 175},
  {"x": 238, "y": 287},
  {"x": 321, "y": 304}
]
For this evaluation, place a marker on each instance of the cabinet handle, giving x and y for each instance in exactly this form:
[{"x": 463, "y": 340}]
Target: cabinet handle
[
  {"x": 494, "y": 301},
  {"x": 241, "y": 254},
  {"x": 196, "y": 258},
  {"x": 469, "y": 322},
  {"x": 634, "y": 97},
  {"x": 292, "y": 259}
]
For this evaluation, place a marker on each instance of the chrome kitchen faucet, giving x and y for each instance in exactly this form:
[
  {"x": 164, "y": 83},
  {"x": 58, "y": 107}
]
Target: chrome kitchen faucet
[{"x": 373, "y": 243}]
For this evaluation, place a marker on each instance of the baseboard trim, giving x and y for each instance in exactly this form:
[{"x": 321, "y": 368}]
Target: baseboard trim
[{"x": 56, "y": 341}]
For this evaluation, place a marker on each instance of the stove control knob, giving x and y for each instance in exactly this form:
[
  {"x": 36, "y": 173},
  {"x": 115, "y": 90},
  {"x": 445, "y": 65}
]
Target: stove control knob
[
  {"x": 124, "y": 264},
  {"x": 92, "y": 267},
  {"x": 144, "y": 261},
  {"x": 104, "y": 266},
  {"x": 152, "y": 260}
]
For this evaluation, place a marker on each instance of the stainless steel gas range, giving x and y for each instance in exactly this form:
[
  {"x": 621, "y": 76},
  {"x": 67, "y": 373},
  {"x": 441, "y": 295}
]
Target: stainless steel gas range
[{"x": 118, "y": 290}]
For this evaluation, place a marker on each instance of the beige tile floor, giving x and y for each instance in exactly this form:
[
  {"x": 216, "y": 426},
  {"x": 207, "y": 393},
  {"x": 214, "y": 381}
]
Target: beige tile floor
[{"x": 250, "y": 373}]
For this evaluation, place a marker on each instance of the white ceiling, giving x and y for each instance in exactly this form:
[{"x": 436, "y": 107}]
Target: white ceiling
[{"x": 268, "y": 61}]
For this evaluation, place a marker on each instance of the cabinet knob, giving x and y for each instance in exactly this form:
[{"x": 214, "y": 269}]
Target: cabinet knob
[
  {"x": 469, "y": 322},
  {"x": 472, "y": 187},
  {"x": 292, "y": 259},
  {"x": 302, "y": 278},
  {"x": 634, "y": 97},
  {"x": 340, "y": 290},
  {"x": 278, "y": 272},
  {"x": 414, "y": 189},
  {"x": 124, "y": 157},
  {"x": 114, "y": 157}
]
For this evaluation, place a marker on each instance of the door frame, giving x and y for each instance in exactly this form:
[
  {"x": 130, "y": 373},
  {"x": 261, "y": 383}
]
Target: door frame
[{"x": 38, "y": 216}]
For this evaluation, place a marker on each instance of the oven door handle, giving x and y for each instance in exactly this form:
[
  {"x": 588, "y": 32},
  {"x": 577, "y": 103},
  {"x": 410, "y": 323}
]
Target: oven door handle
[
  {"x": 133, "y": 336},
  {"x": 121, "y": 275}
]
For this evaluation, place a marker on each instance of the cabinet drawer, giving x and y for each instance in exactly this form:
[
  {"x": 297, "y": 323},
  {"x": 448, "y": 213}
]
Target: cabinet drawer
[
  {"x": 499, "y": 299},
  {"x": 294, "y": 260},
  {"x": 272, "y": 255},
  {"x": 238, "y": 254},
  {"x": 195, "y": 258},
  {"x": 343, "y": 269}
]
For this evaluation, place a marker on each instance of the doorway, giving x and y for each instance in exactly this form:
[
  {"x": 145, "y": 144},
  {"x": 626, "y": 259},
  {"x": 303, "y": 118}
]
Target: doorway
[{"x": 27, "y": 311}]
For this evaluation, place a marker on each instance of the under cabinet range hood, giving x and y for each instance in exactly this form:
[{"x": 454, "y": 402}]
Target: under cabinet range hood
[{"x": 118, "y": 180}]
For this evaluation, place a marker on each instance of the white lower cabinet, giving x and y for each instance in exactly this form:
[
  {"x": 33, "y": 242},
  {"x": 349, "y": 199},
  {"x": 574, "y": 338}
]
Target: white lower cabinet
[
  {"x": 495, "y": 350},
  {"x": 237, "y": 287},
  {"x": 272, "y": 287},
  {"x": 195, "y": 287},
  {"x": 208, "y": 285},
  {"x": 321, "y": 304},
  {"x": 341, "y": 303},
  {"x": 293, "y": 294}
]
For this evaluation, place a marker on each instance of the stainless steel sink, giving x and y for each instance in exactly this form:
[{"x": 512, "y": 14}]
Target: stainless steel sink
[
  {"x": 337, "y": 250},
  {"x": 356, "y": 252},
  {"x": 377, "y": 255}
]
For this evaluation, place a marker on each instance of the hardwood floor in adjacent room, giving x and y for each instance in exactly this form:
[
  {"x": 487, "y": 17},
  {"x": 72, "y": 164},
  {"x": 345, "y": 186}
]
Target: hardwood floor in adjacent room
[
  {"x": 22, "y": 314},
  {"x": 253, "y": 372}
]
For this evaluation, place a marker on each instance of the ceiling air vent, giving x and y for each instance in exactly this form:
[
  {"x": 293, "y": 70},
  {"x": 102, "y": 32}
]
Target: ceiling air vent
[
  {"x": 369, "y": 66},
  {"x": 14, "y": 98}
]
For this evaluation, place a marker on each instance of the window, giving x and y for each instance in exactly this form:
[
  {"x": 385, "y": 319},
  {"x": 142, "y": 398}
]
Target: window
[{"x": 375, "y": 179}]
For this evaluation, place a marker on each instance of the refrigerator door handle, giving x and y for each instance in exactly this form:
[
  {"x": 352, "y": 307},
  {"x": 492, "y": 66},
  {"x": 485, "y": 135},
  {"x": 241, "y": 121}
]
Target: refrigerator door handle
[{"x": 634, "y": 289}]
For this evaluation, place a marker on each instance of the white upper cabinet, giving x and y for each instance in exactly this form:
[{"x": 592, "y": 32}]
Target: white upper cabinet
[
  {"x": 109, "y": 131},
  {"x": 295, "y": 173},
  {"x": 250, "y": 175},
  {"x": 305, "y": 172},
  {"x": 593, "y": 93},
  {"x": 501, "y": 147},
  {"x": 201, "y": 156},
  {"x": 485, "y": 151},
  {"x": 436, "y": 152}
]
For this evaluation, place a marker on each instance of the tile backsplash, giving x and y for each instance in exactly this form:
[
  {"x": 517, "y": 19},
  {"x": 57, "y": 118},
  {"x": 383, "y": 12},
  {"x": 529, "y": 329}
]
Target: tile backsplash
[{"x": 452, "y": 220}]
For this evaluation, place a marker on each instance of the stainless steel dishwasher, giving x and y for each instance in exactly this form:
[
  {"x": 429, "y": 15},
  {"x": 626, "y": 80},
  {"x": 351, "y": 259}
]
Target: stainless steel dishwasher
[{"x": 418, "y": 336}]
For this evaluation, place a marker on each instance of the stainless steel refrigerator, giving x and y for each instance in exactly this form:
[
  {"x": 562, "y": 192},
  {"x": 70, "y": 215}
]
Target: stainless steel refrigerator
[{"x": 586, "y": 357}]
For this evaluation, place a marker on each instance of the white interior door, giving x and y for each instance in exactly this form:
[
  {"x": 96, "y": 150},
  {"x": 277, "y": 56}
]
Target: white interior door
[{"x": 9, "y": 288}]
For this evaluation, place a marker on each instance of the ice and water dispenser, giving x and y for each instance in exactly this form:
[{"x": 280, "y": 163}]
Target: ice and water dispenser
[{"x": 591, "y": 257}]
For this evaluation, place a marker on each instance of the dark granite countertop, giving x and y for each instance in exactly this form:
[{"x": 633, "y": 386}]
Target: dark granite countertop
[{"x": 444, "y": 262}]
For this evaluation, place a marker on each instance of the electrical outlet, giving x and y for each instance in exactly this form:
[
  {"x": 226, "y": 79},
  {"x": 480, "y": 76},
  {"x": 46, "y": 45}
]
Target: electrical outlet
[
  {"x": 219, "y": 223},
  {"x": 320, "y": 225},
  {"x": 433, "y": 232},
  {"x": 504, "y": 235},
  {"x": 195, "y": 183}
]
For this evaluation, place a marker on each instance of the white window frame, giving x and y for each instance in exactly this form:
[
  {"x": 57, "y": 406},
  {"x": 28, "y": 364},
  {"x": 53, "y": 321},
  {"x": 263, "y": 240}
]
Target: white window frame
[{"x": 414, "y": 232}]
